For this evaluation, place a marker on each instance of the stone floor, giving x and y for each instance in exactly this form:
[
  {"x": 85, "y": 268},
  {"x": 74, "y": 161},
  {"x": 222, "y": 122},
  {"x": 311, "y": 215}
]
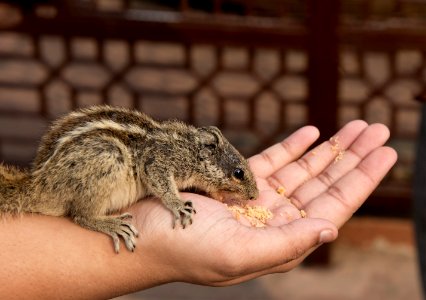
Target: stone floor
[{"x": 372, "y": 259}]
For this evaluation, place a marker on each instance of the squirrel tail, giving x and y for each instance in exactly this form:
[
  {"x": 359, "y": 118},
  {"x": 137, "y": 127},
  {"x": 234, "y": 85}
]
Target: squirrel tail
[{"x": 12, "y": 190}]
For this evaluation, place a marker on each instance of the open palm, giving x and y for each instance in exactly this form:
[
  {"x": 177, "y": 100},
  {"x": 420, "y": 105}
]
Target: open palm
[{"x": 329, "y": 183}]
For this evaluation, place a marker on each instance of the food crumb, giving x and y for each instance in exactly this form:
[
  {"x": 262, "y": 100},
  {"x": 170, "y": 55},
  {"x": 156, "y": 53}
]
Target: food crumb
[
  {"x": 303, "y": 213},
  {"x": 256, "y": 215},
  {"x": 339, "y": 156},
  {"x": 281, "y": 190},
  {"x": 335, "y": 144},
  {"x": 336, "y": 149}
]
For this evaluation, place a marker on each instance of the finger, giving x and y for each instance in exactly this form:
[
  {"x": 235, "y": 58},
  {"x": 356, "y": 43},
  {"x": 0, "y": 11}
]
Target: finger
[
  {"x": 345, "y": 196},
  {"x": 278, "y": 155},
  {"x": 371, "y": 138},
  {"x": 315, "y": 161}
]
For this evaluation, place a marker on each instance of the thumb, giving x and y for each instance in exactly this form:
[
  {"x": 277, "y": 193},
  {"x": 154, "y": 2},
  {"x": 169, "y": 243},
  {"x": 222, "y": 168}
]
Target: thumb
[
  {"x": 303, "y": 235},
  {"x": 280, "y": 249},
  {"x": 276, "y": 246}
]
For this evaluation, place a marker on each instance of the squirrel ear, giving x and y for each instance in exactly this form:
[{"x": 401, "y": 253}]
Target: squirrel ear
[
  {"x": 210, "y": 139},
  {"x": 211, "y": 136}
]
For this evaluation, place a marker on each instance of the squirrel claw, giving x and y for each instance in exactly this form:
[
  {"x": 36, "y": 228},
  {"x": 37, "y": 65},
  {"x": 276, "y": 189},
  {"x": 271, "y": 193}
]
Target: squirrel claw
[
  {"x": 128, "y": 233},
  {"x": 184, "y": 214}
]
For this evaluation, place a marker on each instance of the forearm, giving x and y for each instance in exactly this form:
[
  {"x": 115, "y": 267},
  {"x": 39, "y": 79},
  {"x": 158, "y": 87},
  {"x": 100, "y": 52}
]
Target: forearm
[{"x": 49, "y": 257}]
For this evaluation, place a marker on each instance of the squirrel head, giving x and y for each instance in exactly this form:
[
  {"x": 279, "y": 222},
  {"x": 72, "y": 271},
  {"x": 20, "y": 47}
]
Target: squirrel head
[{"x": 226, "y": 172}]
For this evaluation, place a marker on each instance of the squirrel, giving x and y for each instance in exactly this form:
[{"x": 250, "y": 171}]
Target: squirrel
[{"x": 96, "y": 161}]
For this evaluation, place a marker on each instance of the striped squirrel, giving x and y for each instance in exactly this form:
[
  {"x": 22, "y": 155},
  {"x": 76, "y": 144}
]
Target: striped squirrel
[{"x": 97, "y": 161}]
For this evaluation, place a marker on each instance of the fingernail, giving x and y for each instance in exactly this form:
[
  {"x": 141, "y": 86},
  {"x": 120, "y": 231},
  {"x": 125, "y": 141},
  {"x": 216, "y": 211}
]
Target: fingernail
[{"x": 326, "y": 236}]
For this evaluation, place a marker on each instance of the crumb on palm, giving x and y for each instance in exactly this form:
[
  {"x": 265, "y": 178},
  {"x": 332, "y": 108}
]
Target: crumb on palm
[{"x": 256, "y": 215}]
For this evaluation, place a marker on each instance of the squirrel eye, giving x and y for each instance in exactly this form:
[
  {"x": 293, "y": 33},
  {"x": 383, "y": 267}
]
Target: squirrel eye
[{"x": 238, "y": 174}]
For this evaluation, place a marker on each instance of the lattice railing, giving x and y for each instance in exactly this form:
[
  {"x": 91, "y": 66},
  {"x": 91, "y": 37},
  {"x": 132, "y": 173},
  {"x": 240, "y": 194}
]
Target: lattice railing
[
  {"x": 381, "y": 87},
  {"x": 252, "y": 94},
  {"x": 382, "y": 71}
]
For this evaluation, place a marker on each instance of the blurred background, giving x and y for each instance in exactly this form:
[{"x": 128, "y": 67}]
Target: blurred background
[{"x": 258, "y": 70}]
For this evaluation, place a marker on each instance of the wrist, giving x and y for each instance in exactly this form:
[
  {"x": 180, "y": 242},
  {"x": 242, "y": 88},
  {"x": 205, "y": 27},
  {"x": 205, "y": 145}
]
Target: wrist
[{"x": 52, "y": 257}]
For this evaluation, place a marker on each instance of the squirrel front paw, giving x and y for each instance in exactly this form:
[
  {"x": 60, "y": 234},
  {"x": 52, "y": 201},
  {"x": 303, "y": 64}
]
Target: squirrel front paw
[{"x": 183, "y": 213}]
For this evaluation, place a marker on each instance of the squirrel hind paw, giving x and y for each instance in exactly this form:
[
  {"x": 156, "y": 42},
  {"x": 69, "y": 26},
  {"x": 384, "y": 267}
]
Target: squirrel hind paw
[{"x": 115, "y": 227}]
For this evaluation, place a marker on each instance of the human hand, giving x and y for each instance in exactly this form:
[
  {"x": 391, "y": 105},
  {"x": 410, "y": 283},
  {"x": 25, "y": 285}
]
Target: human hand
[{"x": 219, "y": 250}]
